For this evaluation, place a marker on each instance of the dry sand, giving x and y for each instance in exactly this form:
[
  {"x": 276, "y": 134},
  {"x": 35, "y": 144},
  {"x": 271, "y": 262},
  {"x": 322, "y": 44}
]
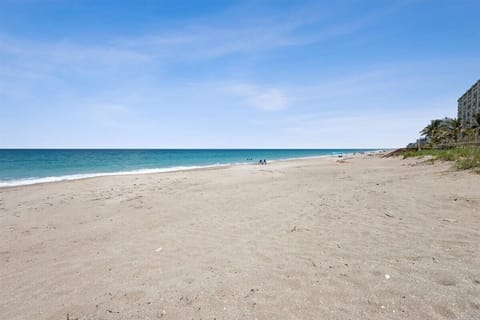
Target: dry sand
[{"x": 307, "y": 239}]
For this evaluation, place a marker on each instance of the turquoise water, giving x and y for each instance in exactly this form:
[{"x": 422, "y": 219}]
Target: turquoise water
[{"x": 27, "y": 166}]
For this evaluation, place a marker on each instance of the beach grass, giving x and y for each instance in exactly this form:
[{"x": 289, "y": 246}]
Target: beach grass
[{"x": 464, "y": 157}]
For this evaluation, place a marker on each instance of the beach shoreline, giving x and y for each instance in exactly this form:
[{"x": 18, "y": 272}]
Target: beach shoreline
[
  {"x": 365, "y": 238},
  {"x": 73, "y": 177}
]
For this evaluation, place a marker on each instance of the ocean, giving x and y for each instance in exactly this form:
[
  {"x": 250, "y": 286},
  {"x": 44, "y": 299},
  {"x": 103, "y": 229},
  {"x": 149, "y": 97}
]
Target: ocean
[{"x": 29, "y": 166}]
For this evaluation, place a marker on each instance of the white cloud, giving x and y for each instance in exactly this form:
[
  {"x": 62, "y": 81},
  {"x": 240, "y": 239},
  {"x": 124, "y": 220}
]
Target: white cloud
[
  {"x": 269, "y": 100},
  {"x": 262, "y": 98},
  {"x": 109, "y": 109},
  {"x": 107, "y": 114},
  {"x": 218, "y": 38},
  {"x": 68, "y": 52}
]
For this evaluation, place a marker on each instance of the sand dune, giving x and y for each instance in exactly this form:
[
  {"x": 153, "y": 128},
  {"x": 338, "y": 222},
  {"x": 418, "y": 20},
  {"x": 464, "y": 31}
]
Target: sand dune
[{"x": 369, "y": 238}]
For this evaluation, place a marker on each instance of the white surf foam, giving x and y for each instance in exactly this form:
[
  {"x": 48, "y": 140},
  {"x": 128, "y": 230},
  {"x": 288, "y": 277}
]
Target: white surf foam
[{"x": 33, "y": 180}]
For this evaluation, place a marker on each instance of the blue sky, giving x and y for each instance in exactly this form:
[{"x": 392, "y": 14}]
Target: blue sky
[{"x": 214, "y": 74}]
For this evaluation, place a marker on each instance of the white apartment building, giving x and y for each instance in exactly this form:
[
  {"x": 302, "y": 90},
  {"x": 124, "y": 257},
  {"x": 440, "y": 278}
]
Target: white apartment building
[{"x": 469, "y": 104}]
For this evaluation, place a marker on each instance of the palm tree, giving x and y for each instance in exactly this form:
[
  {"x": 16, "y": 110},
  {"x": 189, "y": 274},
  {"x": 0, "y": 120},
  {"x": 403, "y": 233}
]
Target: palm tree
[
  {"x": 469, "y": 133},
  {"x": 454, "y": 129},
  {"x": 476, "y": 124},
  {"x": 434, "y": 131}
]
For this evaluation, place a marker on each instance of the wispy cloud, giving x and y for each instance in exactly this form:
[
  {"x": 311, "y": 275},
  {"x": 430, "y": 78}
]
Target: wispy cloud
[
  {"x": 217, "y": 36},
  {"x": 67, "y": 51},
  {"x": 269, "y": 100},
  {"x": 109, "y": 109},
  {"x": 125, "y": 59},
  {"x": 222, "y": 77},
  {"x": 108, "y": 114},
  {"x": 262, "y": 98},
  {"x": 227, "y": 34}
]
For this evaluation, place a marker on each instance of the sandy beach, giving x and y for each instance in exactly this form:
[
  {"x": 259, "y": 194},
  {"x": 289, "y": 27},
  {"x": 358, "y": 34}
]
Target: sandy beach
[{"x": 370, "y": 238}]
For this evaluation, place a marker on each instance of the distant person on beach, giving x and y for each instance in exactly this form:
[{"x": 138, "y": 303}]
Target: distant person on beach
[{"x": 264, "y": 161}]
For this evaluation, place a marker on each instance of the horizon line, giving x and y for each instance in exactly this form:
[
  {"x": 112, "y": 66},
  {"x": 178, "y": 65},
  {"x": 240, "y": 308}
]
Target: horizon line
[{"x": 186, "y": 148}]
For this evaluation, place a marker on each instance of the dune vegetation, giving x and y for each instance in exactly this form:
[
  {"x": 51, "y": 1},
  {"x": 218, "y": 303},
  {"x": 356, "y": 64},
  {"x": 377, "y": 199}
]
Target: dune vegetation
[
  {"x": 451, "y": 140},
  {"x": 464, "y": 157}
]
